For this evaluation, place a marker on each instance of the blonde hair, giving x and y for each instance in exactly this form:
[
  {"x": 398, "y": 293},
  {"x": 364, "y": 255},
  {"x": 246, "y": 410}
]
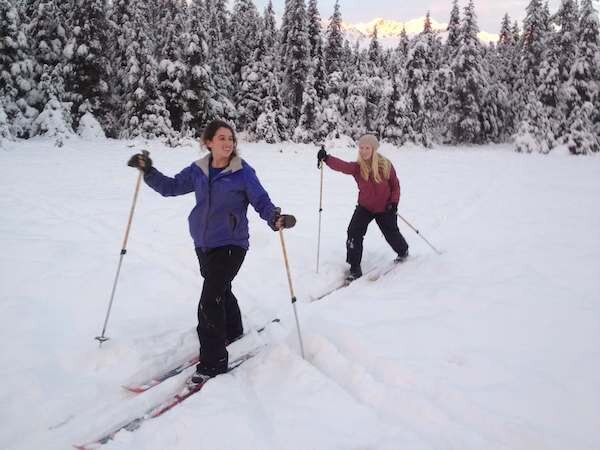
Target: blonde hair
[{"x": 378, "y": 165}]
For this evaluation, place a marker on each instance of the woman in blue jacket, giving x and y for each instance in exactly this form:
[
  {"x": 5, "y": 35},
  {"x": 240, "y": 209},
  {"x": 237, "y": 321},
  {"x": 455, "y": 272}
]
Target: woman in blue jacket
[{"x": 224, "y": 185}]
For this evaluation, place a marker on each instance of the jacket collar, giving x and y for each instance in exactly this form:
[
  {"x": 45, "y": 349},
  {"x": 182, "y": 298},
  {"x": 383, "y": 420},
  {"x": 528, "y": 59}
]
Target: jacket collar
[{"x": 235, "y": 164}]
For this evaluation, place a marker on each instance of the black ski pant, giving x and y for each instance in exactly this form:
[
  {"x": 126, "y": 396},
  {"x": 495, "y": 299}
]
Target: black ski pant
[
  {"x": 219, "y": 318},
  {"x": 387, "y": 223}
]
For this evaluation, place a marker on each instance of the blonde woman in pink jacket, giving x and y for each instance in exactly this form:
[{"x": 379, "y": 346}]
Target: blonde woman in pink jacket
[{"x": 378, "y": 197}]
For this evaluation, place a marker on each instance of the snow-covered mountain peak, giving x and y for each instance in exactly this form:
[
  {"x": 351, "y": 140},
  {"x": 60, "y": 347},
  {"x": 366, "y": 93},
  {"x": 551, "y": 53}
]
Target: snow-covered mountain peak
[{"x": 388, "y": 31}]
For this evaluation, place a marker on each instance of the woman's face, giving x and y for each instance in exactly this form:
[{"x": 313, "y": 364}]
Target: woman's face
[
  {"x": 365, "y": 151},
  {"x": 222, "y": 144}
]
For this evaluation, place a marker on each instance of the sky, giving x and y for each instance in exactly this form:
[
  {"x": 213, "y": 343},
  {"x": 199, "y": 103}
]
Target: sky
[{"x": 489, "y": 12}]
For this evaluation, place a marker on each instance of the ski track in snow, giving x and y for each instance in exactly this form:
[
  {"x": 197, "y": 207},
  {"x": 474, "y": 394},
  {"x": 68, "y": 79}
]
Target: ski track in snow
[{"x": 495, "y": 344}]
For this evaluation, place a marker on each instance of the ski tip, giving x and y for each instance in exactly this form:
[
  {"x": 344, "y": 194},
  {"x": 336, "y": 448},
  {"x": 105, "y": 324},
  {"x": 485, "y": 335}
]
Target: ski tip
[{"x": 135, "y": 389}]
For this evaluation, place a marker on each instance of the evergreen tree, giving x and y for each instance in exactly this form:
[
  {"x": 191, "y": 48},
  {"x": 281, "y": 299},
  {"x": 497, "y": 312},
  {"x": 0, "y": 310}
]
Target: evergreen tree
[
  {"x": 16, "y": 67},
  {"x": 172, "y": 70},
  {"x": 420, "y": 86},
  {"x": 535, "y": 29},
  {"x": 218, "y": 35},
  {"x": 567, "y": 19},
  {"x": 314, "y": 29},
  {"x": 583, "y": 87},
  {"x": 261, "y": 106},
  {"x": 334, "y": 42},
  {"x": 309, "y": 127},
  {"x": 401, "y": 51},
  {"x": 145, "y": 111},
  {"x": 469, "y": 84},
  {"x": 356, "y": 102},
  {"x": 506, "y": 72},
  {"x": 87, "y": 69},
  {"x": 453, "y": 41},
  {"x": 269, "y": 31},
  {"x": 245, "y": 23},
  {"x": 121, "y": 28},
  {"x": 297, "y": 58},
  {"x": 397, "y": 114},
  {"x": 374, "y": 54},
  {"x": 47, "y": 30},
  {"x": 201, "y": 99}
]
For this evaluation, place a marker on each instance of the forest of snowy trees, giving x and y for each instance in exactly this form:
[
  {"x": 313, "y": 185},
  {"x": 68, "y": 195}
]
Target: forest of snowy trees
[{"x": 163, "y": 68}]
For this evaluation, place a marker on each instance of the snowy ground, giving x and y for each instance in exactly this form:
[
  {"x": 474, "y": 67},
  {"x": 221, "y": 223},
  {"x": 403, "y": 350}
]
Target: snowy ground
[{"x": 493, "y": 345}]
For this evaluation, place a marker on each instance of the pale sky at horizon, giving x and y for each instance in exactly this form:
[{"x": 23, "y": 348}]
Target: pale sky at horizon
[{"x": 489, "y": 12}]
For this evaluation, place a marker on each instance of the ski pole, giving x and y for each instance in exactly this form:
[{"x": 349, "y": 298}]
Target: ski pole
[
  {"x": 420, "y": 235},
  {"x": 293, "y": 296},
  {"x": 320, "y": 166},
  {"x": 102, "y": 338}
]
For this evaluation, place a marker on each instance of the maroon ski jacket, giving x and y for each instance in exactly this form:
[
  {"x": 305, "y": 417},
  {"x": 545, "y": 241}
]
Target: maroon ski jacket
[{"x": 371, "y": 195}]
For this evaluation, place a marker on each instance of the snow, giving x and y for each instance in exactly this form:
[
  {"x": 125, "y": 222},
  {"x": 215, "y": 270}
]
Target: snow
[
  {"x": 494, "y": 344},
  {"x": 89, "y": 129}
]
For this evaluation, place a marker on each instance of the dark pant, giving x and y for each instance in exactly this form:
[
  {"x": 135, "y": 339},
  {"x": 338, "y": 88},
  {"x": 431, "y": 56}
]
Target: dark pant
[
  {"x": 387, "y": 223},
  {"x": 219, "y": 318}
]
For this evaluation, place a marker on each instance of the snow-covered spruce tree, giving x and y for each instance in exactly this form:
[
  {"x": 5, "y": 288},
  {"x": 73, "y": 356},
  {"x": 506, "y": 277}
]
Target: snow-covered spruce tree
[
  {"x": 581, "y": 138},
  {"x": 567, "y": 19},
  {"x": 218, "y": 35},
  {"x": 533, "y": 130},
  {"x": 506, "y": 70},
  {"x": 465, "y": 106},
  {"x": 495, "y": 105},
  {"x": 334, "y": 41},
  {"x": 5, "y": 132},
  {"x": 16, "y": 73},
  {"x": 316, "y": 49},
  {"x": 122, "y": 32},
  {"x": 245, "y": 36},
  {"x": 55, "y": 119},
  {"x": 256, "y": 78},
  {"x": 310, "y": 124},
  {"x": 145, "y": 112},
  {"x": 172, "y": 69},
  {"x": 583, "y": 86},
  {"x": 403, "y": 46},
  {"x": 283, "y": 35},
  {"x": 374, "y": 52},
  {"x": 356, "y": 102},
  {"x": 314, "y": 29},
  {"x": 200, "y": 97},
  {"x": 453, "y": 41},
  {"x": 376, "y": 94},
  {"x": 87, "y": 68},
  {"x": 268, "y": 35},
  {"x": 336, "y": 56},
  {"x": 309, "y": 127},
  {"x": 420, "y": 87},
  {"x": 533, "y": 44},
  {"x": 245, "y": 57},
  {"x": 47, "y": 30},
  {"x": 297, "y": 59},
  {"x": 272, "y": 124},
  {"x": 334, "y": 105},
  {"x": 397, "y": 121}
]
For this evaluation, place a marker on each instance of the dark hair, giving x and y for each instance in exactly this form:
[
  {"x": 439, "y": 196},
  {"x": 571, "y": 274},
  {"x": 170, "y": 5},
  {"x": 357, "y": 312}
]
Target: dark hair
[{"x": 211, "y": 129}]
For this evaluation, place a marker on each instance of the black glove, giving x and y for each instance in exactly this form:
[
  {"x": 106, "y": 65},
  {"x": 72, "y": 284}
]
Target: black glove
[
  {"x": 321, "y": 156},
  {"x": 391, "y": 208},
  {"x": 141, "y": 161},
  {"x": 288, "y": 221}
]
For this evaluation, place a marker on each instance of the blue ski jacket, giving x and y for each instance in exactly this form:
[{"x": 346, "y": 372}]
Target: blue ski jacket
[{"x": 220, "y": 215}]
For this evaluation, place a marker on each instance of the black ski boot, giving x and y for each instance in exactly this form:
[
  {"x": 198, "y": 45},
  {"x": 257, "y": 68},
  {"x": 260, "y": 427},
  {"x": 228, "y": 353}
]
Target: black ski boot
[
  {"x": 200, "y": 378},
  {"x": 401, "y": 258},
  {"x": 354, "y": 273}
]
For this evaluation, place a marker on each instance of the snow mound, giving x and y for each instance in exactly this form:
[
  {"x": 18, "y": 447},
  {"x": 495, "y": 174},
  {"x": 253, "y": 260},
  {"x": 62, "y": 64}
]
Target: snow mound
[{"x": 89, "y": 128}]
